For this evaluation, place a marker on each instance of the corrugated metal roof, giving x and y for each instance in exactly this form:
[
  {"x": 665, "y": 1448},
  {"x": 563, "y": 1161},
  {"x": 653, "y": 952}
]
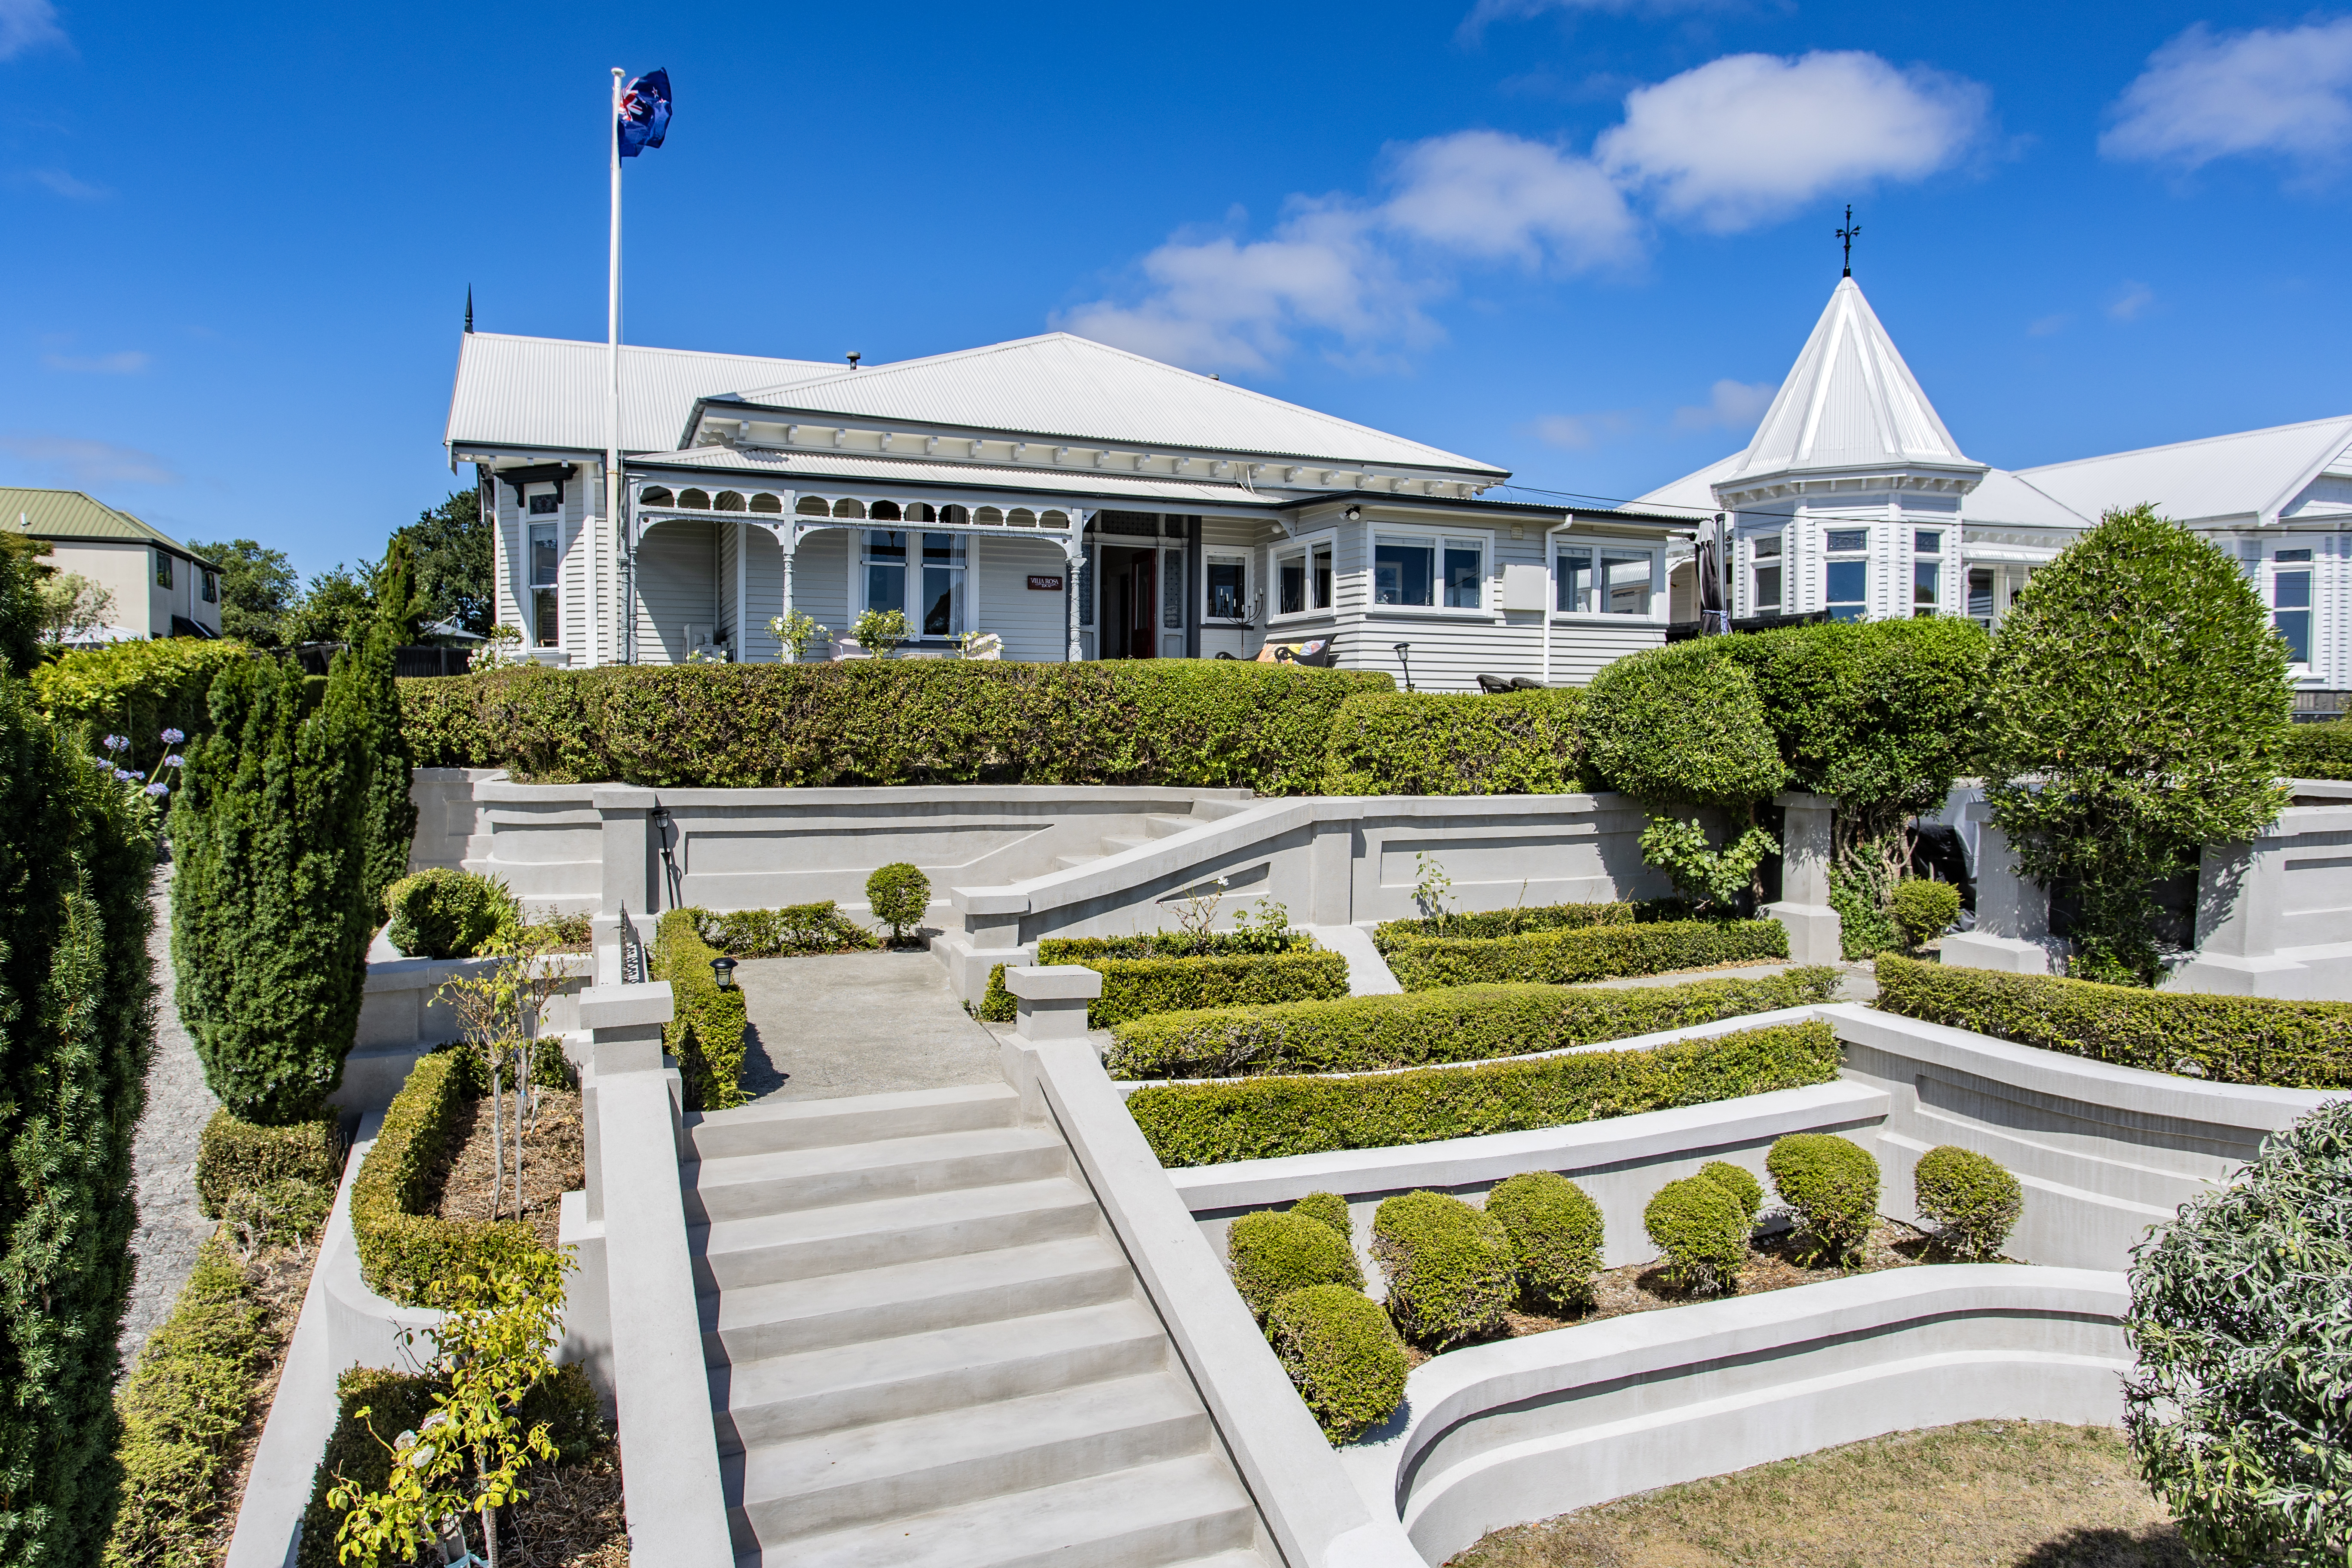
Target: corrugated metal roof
[
  {"x": 1072, "y": 388},
  {"x": 2002, "y": 498},
  {"x": 1694, "y": 491},
  {"x": 70, "y": 514},
  {"x": 2253, "y": 472},
  {"x": 550, "y": 392},
  {"x": 780, "y": 469}
]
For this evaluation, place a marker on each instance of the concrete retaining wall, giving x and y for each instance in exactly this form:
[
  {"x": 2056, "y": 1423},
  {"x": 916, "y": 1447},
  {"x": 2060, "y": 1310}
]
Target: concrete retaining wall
[{"x": 402, "y": 1015}]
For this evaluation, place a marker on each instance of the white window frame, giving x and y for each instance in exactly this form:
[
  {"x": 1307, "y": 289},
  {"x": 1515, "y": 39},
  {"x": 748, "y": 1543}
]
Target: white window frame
[
  {"x": 1213, "y": 557},
  {"x": 1866, "y": 556},
  {"x": 1438, "y": 540},
  {"x": 1595, "y": 549},
  {"x": 531, "y": 586},
  {"x": 2308, "y": 566},
  {"x": 1302, "y": 549},
  {"x": 1776, "y": 561},
  {"x": 913, "y": 564}
]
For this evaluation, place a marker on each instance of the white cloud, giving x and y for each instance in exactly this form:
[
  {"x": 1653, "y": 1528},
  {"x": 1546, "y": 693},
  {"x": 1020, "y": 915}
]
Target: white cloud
[
  {"x": 2131, "y": 301},
  {"x": 124, "y": 362},
  {"x": 1486, "y": 11},
  {"x": 1740, "y": 140},
  {"x": 1730, "y": 405},
  {"x": 27, "y": 26},
  {"x": 2205, "y": 96},
  {"x": 57, "y": 182},
  {"x": 1582, "y": 432},
  {"x": 2048, "y": 326},
  {"x": 86, "y": 463},
  {"x": 1497, "y": 197}
]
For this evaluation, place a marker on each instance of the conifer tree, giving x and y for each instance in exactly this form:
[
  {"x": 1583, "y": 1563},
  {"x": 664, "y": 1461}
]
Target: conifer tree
[
  {"x": 392, "y": 811},
  {"x": 269, "y": 922}
]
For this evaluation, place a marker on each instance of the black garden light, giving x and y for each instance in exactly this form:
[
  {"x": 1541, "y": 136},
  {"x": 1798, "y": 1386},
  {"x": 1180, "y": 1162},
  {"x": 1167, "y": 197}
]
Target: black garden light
[
  {"x": 1402, "y": 650},
  {"x": 723, "y": 971}
]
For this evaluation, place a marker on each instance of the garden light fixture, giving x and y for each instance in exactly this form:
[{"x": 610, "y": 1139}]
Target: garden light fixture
[{"x": 723, "y": 971}]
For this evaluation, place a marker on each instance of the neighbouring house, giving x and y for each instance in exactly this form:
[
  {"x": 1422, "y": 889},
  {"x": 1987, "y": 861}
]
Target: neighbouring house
[
  {"x": 161, "y": 587},
  {"x": 1073, "y": 499},
  {"x": 1854, "y": 501}
]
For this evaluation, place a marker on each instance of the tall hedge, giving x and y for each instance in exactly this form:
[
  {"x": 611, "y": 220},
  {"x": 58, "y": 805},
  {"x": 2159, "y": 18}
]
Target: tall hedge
[
  {"x": 1403, "y": 743},
  {"x": 2137, "y": 709},
  {"x": 1190, "y": 722},
  {"x": 269, "y": 927},
  {"x": 137, "y": 689},
  {"x": 77, "y": 1024},
  {"x": 1682, "y": 726},
  {"x": 391, "y": 809}
]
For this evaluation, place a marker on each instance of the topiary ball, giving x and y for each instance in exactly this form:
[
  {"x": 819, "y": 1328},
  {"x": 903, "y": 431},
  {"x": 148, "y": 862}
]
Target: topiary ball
[
  {"x": 1832, "y": 1186},
  {"x": 1972, "y": 1200},
  {"x": 1702, "y": 1231},
  {"x": 898, "y": 894},
  {"x": 1448, "y": 1266},
  {"x": 1272, "y": 1253},
  {"x": 446, "y": 913},
  {"x": 1326, "y": 1208},
  {"x": 1556, "y": 1231},
  {"x": 1741, "y": 1184},
  {"x": 1923, "y": 909},
  {"x": 1343, "y": 1355}
]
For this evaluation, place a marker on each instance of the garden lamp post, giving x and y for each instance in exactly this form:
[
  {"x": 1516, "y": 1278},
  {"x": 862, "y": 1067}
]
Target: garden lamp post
[
  {"x": 723, "y": 971},
  {"x": 1403, "y": 649}
]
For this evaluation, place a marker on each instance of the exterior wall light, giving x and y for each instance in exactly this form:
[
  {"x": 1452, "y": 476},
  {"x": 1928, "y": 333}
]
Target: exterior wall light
[
  {"x": 723, "y": 971},
  {"x": 1355, "y": 514}
]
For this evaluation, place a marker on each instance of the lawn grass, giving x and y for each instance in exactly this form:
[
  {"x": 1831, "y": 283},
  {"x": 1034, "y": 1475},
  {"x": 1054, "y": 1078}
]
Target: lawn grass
[{"x": 1985, "y": 1494}]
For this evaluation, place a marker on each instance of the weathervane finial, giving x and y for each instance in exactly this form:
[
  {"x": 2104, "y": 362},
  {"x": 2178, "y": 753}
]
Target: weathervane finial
[
  {"x": 469, "y": 307},
  {"x": 1847, "y": 234}
]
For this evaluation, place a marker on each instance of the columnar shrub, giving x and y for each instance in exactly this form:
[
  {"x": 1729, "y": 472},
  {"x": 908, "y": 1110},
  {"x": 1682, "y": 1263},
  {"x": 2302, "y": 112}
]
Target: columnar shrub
[
  {"x": 77, "y": 1016},
  {"x": 1830, "y": 1185},
  {"x": 1342, "y": 1353},
  {"x": 1974, "y": 1202},
  {"x": 898, "y": 894},
  {"x": 1555, "y": 1230},
  {"x": 1326, "y": 1208},
  {"x": 1273, "y": 1252},
  {"x": 2245, "y": 1347},
  {"x": 1923, "y": 909},
  {"x": 2137, "y": 710},
  {"x": 1448, "y": 1268},
  {"x": 391, "y": 809},
  {"x": 444, "y": 913},
  {"x": 269, "y": 925},
  {"x": 1742, "y": 1185},
  {"x": 1700, "y": 1229}
]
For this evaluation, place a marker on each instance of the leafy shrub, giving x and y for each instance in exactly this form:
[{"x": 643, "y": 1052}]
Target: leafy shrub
[
  {"x": 1744, "y": 1188},
  {"x": 445, "y": 914},
  {"x": 1864, "y": 928},
  {"x": 1972, "y": 1200},
  {"x": 1139, "y": 986},
  {"x": 1482, "y": 923},
  {"x": 1681, "y": 726},
  {"x": 2137, "y": 709},
  {"x": 232, "y": 1155},
  {"x": 2225, "y": 1040},
  {"x": 1203, "y": 723},
  {"x": 898, "y": 894},
  {"x": 1263, "y": 1118},
  {"x": 391, "y": 805},
  {"x": 1413, "y": 743},
  {"x": 283, "y": 1213},
  {"x": 1830, "y": 1185},
  {"x": 1326, "y": 1208},
  {"x": 1470, "y": 1023},
  {"x": 403, "y": 1249},
  {"x": 706, "y": 1028},
  {"x": 2237, "y": 1317},
  {"x": 1272, "y": 1253},
  {"x": 190, "y": 1395},
  {"x": 1923, "y": 909},
  {"x": 1708, "y": 879},
  {"x": 1556, "y": 1231},
  {"x": 137, "y": 689},
  {"x": 775, "y": 933},
  {"x": 1448, "y": 1268},
  {"x": 1596, "y": 952},
  {"x": 2318, "y": 751},
  {"x": 1700, "y": 1229},
  {"x": 1342, "y": 1354}
]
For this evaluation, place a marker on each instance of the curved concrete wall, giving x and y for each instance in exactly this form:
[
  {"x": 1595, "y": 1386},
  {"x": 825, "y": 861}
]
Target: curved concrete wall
[{"x": 1503, "y": 1434}]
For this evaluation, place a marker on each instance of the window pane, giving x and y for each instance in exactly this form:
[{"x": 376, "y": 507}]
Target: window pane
[
  {"x": 544, "y": 618},
  {"x": 886, "y": 587},
  {"x": 1225, "y": 590},
  {"x": 1768, "y": 588},
  {"x": 163, "y": 570},
  {"x": 1926, "y": 579},
  {"x": 1849, "y": 584},
  {"x": 890, "y": 546},
  {"x": 1322, "y": 576},
  {"x": 1927, "y": 542},
  {"x": 1172, "y": 589},
  {"x": 212, "y": 589},
  {"x": 1462, "y": 578},
  {"x": 543, "y": 506},
  {"x": 1573, "y": 577},
  {"x": 1767, "y": 547},
  {"x": 2292, "y": 556},
  {"x": 2290, "y": 590},
  {"x": 544, "y": 558},
  {"x": 2296, "y": 626},
  {"x": 1847, "y": 539},
  {"x": 1402, "y": 573},
  {"x": 942, "y": 600},
  {"x": 1291, "y": 584},
  {"x": 1626, "y": 579},
  {"x": 1980, "y": 594}
]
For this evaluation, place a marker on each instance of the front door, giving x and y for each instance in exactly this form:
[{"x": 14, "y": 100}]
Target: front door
[{"x": 1141, "y": 605}]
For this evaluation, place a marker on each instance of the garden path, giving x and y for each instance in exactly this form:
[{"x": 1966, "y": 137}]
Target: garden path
[
  {"x": 163, "y": 1151},
  {"x": 838, "y": 1024}
]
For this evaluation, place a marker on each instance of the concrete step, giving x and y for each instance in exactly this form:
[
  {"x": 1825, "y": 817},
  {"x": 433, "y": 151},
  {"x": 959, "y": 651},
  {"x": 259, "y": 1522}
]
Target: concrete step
[
  {"x": 1166, "y": 1514},
  {"x": 768, "y": 1127},
  {"x": 799, "y": 1315},
  {"x": 741, "y": 1186},
  {"x": 1120, "y": 843},
  {"x": 1161, "y": 827},
  {"x": 1071, "y": 862},
  {"x": 1211, "y": 809},
  {"x": 947, "y": 1369},
  {"x": 807, "y": 1243},
  {"x": 865, "y": 1475}
]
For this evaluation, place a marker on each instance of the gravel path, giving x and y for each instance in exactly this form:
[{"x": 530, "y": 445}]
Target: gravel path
[{"x": 178, "y": 1106}]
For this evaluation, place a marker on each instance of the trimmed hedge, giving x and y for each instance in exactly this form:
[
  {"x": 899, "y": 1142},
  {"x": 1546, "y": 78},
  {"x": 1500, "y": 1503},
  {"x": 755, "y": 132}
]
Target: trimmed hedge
[
  {"x": 403, "y": 1250},
  {"x": 1699, "y": 1225},
  {"x": 1448, "y": 1268},
  {"x": 2225, "y": 1040},
  {"x": 1200, "y": 724},
  {"x": 1261, "y": 1117},
  {"x": 232, "y": 1155},
  {"x": 1272, "y": 1253},
  {"x": 2319, "y": 750},
  {"x": 1138, "y": 985},
  {"x": 440, "y": 912},
  {"x": 1681, "y": 725},
  {"x": 1485, "y": 923},
  {"x": 1596, "y": 952},
  {"x": 1403, "y": 743},
  {"x": 1326, "y": 1208},
  {"x": 137, "y": 689},
  {"x": 705, "y": 1030},
  {"x": 897, "y": 894},
  {"x": 1974, "y": 1202},
  {"x": 1742, "y": 1184},
  {"x": 1556, "y": 1232},
  {"x": 789, "y": 932},
  {"x": 1830, "y": 1185},
  {"x": 1923, "y": 909},
  {"x": 1471, "y": 1023},
  {"x": 1342, "y": 1354}
]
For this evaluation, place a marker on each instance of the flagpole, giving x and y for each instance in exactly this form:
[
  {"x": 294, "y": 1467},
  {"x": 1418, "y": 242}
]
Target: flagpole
[{"x": 612, "y": 504}]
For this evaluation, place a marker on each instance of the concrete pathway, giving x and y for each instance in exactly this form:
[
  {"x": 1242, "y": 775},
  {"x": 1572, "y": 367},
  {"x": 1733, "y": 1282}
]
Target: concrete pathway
[{"x": 858, "y": 1023}]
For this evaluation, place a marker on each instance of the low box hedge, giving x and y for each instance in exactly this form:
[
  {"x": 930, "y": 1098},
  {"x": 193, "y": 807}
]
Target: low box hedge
[
  {"x": 2319, "y": 750},
  {"x": 790, "y": 931},
  {"x": 1594, "y": 952},
  {"x": 1449, "y": 1266},
  {"x": 1266, "y": 1118},
  {"x": 403, "y": 1249},
  {"x": 1505, "y": 923},
  {"x": 232, "y": 1156},
  {"x": 1404, "y": 742},
  {"x": 1140, "y": 976},
  {"x": 706, "y": 1026},
  {"x": 1343, "y": 1356},
  {"x": 1470, "y": 1023},
  {"x": 2227, "y": 1039}
]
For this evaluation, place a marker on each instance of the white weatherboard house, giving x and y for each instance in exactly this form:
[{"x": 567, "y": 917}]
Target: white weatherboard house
[
  {"x": 1073, "y": 499},
  {"x": 1852, "y": 498}
]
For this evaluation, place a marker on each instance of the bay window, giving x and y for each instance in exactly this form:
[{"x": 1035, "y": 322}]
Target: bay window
[
  {"x": 1302, "y": 578},
  {"x": 1848, "y": 582},
  {"x": 1764, "y": 571}
]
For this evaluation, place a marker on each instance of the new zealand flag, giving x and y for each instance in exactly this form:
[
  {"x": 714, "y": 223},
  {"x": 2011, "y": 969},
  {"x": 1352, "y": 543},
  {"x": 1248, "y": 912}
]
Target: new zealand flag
[{"x": 645, "y": 113}]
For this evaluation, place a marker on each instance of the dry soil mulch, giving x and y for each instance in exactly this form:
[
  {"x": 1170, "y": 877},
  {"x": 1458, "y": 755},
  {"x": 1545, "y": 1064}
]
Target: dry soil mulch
[
  {"x": 572, "y": 1518},
  {"x": 553, "y": 1162}
]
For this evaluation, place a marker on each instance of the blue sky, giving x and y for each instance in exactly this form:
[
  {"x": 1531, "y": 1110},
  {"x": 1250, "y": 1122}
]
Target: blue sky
[{"x": 1580, "y": 238}]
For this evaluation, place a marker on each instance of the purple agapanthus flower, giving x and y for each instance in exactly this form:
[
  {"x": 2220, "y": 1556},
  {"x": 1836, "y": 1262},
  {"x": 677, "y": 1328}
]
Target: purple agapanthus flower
[
  {"x": 124, "y": 776},
  {"x": 100, "y": 762},
  {"x": 175, "y": 761},
  {"x": 173, "y": 737},
  {"x": 115, "y": 743},
  {"x": 158, "y": 787}
]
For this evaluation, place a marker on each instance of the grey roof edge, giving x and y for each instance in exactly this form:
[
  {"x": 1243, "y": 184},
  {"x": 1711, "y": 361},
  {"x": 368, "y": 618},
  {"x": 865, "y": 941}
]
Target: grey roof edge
[
  {"x": 1472, "y": 504},
  {"x": 146, "y": 530}
]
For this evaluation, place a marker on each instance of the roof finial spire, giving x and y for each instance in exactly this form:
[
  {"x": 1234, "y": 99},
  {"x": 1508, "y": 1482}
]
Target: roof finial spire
[
  {"x": 1847, "y": 234},
  {"x": 469, "y": 307}
]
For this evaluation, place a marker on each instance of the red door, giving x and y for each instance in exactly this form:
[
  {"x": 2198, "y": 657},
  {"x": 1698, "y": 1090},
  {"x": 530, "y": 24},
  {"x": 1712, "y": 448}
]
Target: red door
[{"x": 1142, "y": 615}]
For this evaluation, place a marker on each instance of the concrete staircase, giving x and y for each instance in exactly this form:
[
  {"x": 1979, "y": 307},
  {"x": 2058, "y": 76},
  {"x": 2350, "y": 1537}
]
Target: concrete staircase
[
  {"x": 926, "y": 1348},
  {"x": 1204, "y": 811}
]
